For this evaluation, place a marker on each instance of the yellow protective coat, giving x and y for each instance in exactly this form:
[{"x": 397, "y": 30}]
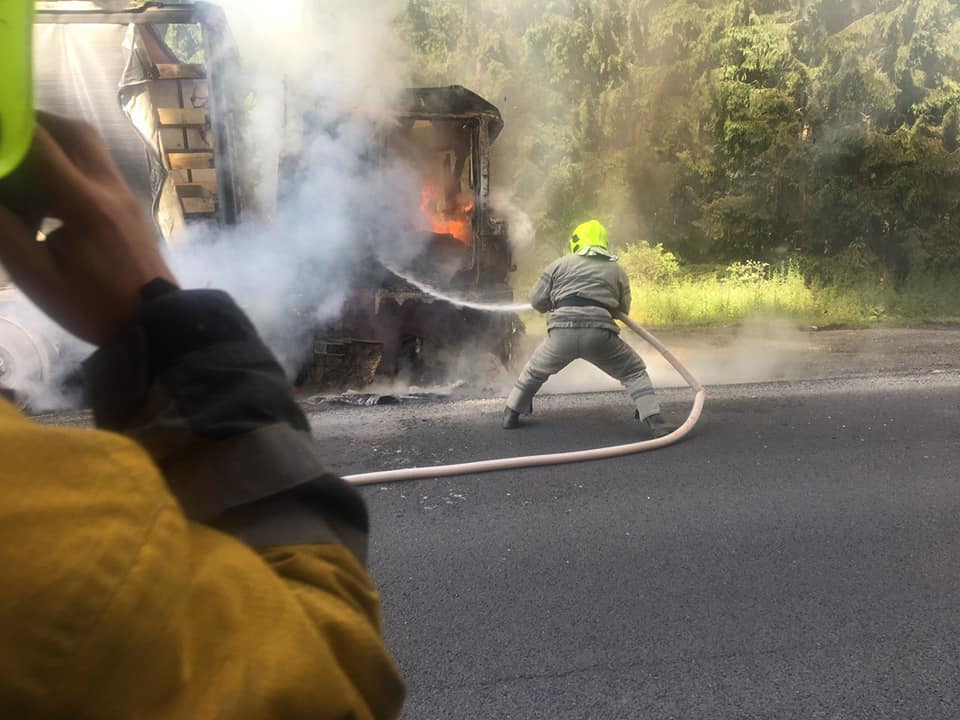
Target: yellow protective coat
[{"x": 114, "y": 605}]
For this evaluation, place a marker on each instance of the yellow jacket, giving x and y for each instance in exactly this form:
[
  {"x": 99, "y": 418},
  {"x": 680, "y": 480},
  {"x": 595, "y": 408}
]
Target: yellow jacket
[{"x": 114, "y": 605}]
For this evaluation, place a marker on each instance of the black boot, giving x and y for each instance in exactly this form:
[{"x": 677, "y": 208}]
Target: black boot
[
  {"x": 657, "y": 426},
  {"x": 511, "y": 419}
]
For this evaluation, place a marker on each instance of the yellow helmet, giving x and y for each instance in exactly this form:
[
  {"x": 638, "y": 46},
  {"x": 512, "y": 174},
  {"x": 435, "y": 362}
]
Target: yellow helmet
[
  {"x": 587, "y": 235},
  {"x": 16, "y": 101}
]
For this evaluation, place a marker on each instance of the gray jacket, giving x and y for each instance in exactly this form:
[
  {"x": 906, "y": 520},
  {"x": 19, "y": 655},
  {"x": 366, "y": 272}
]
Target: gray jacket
[{"x": 594, "y": 277}]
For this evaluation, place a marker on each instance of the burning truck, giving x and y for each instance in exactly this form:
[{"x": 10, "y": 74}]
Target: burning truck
[
  {"x": 389, "y": 325},
  {"x": 156, "y": 81}
]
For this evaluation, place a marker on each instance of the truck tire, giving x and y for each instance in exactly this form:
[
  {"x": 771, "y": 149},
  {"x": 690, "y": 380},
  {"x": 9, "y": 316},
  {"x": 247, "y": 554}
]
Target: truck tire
[{"x": 24, "y": 360}]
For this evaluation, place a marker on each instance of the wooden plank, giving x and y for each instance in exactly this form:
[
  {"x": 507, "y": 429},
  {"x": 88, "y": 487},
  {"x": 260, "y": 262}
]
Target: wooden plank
[
  {"x": 164, "y": 93},
  {"x": 179, "y": 139},
  {"x": 191, "y": 190},
  {"x": 198, "y": 206},
  {"x": 190, "y": 160},
  {"x": 171, "y": 140},
  {"x": 199, "y": 138},
  {"x": 170, "y": 71},
  {"x": 207, "y": 178},
  {"x": 196, "y": 93},
  {"x": 182, "y": 117}
]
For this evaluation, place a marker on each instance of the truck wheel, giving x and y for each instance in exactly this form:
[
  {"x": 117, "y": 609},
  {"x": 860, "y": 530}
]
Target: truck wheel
[
  {"x": 511, "y": 347},
  {"x": 24, "y": 360}
]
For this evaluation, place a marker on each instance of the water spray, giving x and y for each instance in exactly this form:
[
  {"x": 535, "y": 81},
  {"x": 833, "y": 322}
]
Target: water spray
[
  {"x": 458, "y": 301},
  {"x": 512, "y": 463}
]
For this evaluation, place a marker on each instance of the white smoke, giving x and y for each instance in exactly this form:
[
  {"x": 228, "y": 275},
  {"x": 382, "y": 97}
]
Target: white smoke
[
  {"x": 38, "y": 358},
  {"x": 342, "y": 62},
  {"x": 323, "y": 80},
  {"x": 523, "y": 233}
]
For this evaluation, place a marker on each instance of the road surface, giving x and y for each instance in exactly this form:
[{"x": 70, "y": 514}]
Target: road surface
[{"x": 798, "y": 557}]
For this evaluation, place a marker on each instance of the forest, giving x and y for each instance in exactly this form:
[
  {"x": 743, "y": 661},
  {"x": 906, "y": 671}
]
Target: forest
[{"x": 790, "y": 156}]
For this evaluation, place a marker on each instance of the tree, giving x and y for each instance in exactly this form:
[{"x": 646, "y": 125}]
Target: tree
[{"x": 725, "y": 129}]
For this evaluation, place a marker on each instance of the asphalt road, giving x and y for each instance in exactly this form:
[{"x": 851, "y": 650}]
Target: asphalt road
[{"x": 797, "y": 557}]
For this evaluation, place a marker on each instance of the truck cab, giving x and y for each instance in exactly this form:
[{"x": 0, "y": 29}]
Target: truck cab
[{"x": 392, "y": 324}]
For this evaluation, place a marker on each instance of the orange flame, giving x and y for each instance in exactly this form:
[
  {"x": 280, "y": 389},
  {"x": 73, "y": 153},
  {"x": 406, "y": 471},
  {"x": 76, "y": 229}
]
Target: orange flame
[{"x": 455, "y": 221}]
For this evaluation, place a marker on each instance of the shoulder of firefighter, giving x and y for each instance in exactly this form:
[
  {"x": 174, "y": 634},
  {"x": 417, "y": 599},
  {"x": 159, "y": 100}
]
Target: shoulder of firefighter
[
  {"x": 193, "y": 560},
  {"x": 582, "y": 290}
]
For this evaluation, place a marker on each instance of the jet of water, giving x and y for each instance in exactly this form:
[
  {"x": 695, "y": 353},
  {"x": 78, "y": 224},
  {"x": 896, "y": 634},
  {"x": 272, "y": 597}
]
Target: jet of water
[{"x": 458, "y": 301}]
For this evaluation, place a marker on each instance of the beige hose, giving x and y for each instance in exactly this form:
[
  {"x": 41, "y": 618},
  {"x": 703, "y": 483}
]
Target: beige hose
[{"x": 513, "y": 463}]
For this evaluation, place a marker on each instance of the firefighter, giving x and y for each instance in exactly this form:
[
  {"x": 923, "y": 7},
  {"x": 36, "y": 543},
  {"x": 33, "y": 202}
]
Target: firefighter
[
  {"x": 191, "y": 558},
  {"x": 583, "y": 291}
]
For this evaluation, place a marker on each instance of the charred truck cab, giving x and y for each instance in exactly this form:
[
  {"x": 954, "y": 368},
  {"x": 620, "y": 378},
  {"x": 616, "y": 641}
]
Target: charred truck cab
[
  {"x": 157, "y": 82},
  {"x": 390, "y": 325}
]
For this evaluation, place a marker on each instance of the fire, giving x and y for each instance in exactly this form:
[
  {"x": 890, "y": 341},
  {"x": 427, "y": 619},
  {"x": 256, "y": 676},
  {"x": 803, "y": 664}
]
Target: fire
[{"x": 445, "y": 218}]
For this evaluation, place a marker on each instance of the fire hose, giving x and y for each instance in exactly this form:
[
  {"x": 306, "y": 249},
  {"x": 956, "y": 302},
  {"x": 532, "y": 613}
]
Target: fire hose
[{"x": 601, "y": 453}]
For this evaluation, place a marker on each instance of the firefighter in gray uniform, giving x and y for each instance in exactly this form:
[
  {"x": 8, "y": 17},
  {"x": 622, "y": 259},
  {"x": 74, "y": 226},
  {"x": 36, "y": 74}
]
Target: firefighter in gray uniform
[{"x": 583, "y": 291}]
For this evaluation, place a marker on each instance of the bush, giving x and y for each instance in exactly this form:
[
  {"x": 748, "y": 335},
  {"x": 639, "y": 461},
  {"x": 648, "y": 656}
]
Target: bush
[
  {"x": 750, "y": 272},
  {"x": 644, "y": 263},
  {"x": 746, "y": 289},
  {"x": 732, "y": 294},
  {"x": 820, "y": 292}
]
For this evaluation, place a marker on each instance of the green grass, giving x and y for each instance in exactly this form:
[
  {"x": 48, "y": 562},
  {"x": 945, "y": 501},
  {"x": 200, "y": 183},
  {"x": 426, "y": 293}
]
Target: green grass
[
  {"x": 709, "y": 300},
  {"x": 675, "y": 296}
]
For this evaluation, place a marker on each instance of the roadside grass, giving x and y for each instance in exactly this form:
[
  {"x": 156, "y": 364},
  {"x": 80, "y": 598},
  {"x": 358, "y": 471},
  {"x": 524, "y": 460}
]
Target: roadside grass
[
  {"x": 821, "y": 293},
  {"x": 689, "y": 301},
  {"x": 931, "y": 300}
]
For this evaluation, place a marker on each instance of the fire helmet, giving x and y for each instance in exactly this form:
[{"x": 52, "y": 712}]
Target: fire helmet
[
  {"x": 587, "y": 235},
  {"x": 16, "y": 89}
]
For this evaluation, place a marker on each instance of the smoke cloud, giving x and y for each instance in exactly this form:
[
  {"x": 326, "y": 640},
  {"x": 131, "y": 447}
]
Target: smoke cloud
[{"x": 322, "y": 80}]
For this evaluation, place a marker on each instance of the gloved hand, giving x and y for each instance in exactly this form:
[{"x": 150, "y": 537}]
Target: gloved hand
[{"x": 87, "y": 275}]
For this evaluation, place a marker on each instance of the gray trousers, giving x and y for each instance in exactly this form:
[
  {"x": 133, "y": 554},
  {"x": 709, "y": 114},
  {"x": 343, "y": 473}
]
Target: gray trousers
[{"x": 603, "y": 348}]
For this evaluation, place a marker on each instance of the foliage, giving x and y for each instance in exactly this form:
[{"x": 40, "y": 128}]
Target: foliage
[
  {"x": 747, "y": 273},
  {"x": 645, "y": 263},
  {"x": 742, "y": 291},
  {"x": 736, "y": 294},
  {"x": 725, "y": 130},
  {"x": 186, "y": 41}
]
